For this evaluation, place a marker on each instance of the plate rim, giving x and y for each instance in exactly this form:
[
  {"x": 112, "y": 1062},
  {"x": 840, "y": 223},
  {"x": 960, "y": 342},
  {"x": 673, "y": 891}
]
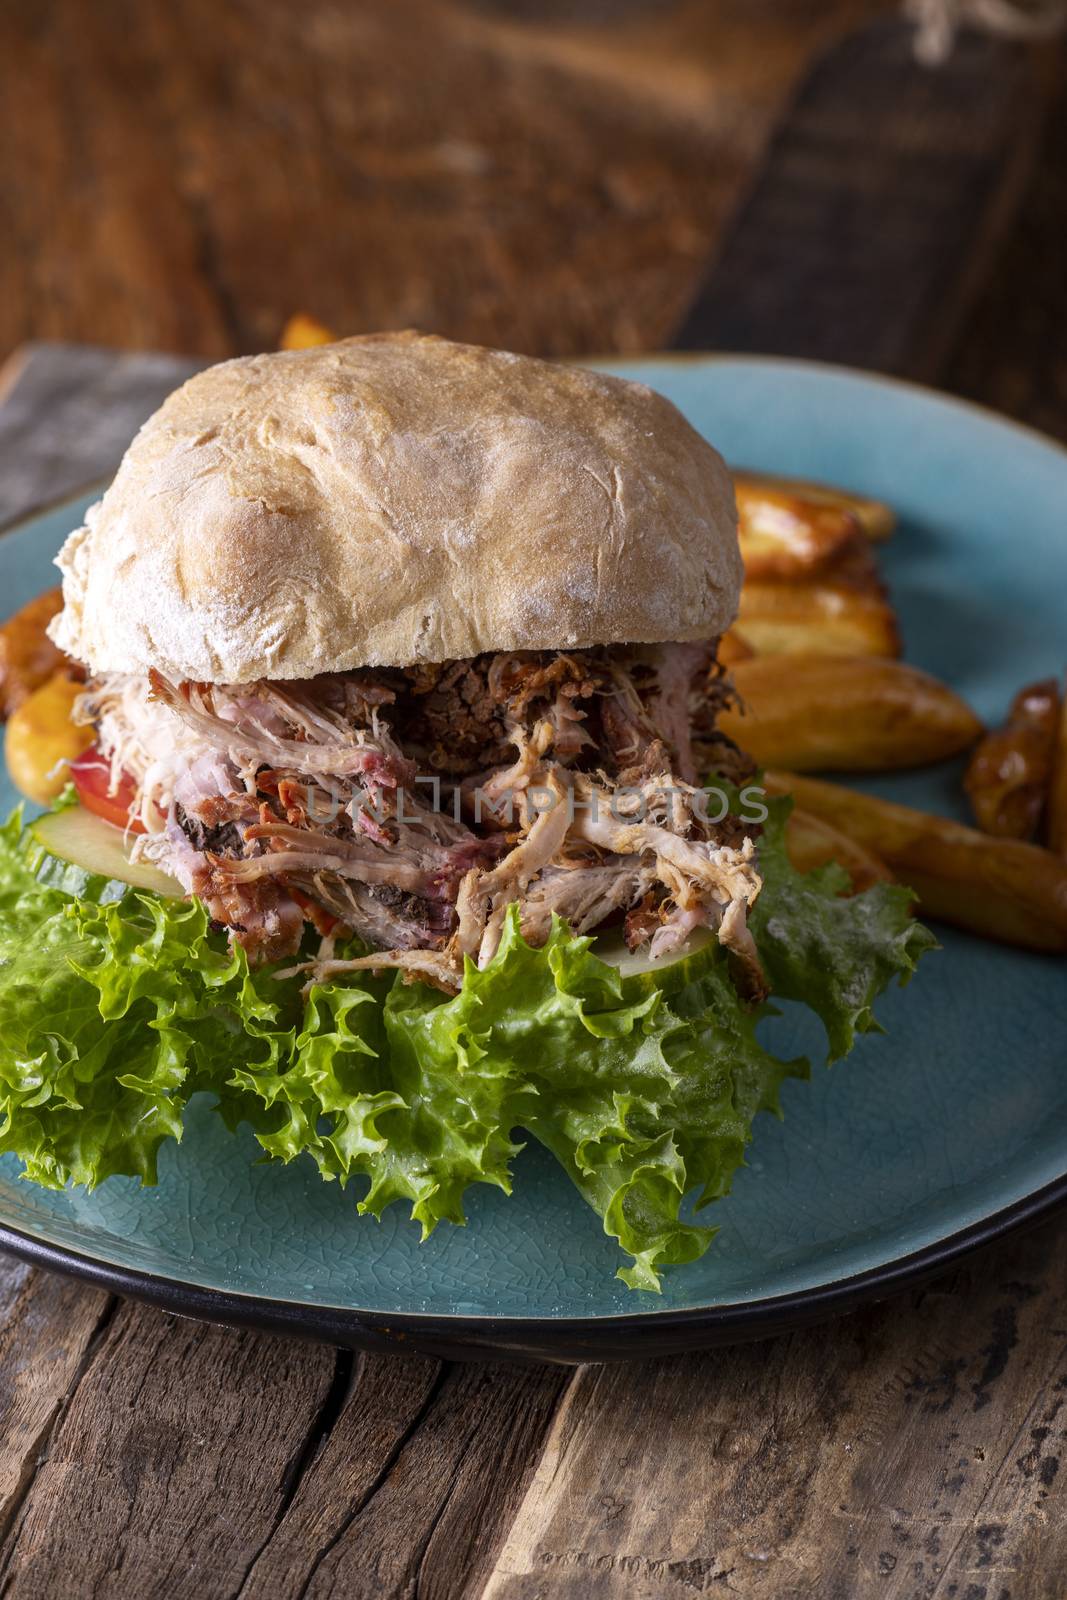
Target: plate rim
[
  {"x": 48, "y": 508},
  {"x": 837, "y": 369},
  {"x": 634, "y": 1335},
  {"x": 682, "y": 358},
  {"x": 565, "y": 1341}
]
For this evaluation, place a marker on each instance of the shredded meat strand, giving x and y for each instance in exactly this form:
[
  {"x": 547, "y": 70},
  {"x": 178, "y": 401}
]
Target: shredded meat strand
[{"x": 411, "y": 806}]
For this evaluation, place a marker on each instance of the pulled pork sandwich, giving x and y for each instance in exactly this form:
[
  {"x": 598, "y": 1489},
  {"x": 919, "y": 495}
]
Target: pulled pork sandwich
[
  {"x": 401, "y": 666},
  {"x": 377, "y": 633}
]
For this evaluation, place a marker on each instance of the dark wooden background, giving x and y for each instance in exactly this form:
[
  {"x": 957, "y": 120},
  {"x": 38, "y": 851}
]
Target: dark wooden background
[{"x": 559, "y": 178}]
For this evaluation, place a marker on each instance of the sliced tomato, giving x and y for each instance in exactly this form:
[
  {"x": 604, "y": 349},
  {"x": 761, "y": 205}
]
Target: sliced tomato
[
  {"x": 91, "y": 775},
  {"x": 321, "y": 920}
]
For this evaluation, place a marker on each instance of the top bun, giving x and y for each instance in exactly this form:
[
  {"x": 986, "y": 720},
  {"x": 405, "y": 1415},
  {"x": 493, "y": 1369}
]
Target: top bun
[{"x": 395, "y": 499}]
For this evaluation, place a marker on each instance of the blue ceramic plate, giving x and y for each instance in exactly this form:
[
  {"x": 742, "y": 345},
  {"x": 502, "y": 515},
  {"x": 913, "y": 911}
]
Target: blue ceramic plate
[{"x": 946, "y": 1131}]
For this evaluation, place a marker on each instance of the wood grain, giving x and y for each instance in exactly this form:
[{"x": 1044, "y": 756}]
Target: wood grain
[
  {"x": 69, "y": 413},
  {"x": 184, "y": 177},
  {"x": 1013, "y": 355},
  {"x": 915, "y": 1452},
  {"x": 172, "y": 1462},
  {"x": 49, "y": 1328},
  {"x": 416, "y": 1485},
  {"x": 873, "y": 221}
]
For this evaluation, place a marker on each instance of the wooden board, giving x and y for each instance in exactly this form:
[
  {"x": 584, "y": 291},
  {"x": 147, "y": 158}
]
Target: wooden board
[
  {"x": 67, "y": 413},
  {"x": 185, "y": 176},
  {"x": 873, "y": 221}
]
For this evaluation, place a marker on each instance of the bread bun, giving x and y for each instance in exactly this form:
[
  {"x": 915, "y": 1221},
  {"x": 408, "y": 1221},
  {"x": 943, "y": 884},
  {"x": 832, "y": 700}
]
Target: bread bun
[{"x": 393, "y": 499}]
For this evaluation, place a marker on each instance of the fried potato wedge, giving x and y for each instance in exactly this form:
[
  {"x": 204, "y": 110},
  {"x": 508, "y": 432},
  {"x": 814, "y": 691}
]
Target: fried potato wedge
[
  {"x": 845, "y": 713},
  {"x": 813, "y": 619},
  {"x": 41, "y": 738},
  {"x": 855, "y": 567},
  {"x": 784, "y": 538},
  {"x": 1056, "y": 809},
  {"x": 812, "y": 843},
  {"x": 27, "y": 655},
  {"x": 755, "y": 489},
  {"x": 1008, "y": 776},
  {"x": 1002, "y": 889},
  {"x": 734, "y": 647},
  {"x": 302, "y": 332}
]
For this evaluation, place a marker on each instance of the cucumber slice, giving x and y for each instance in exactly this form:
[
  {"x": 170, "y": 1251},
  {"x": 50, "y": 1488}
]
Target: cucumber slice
[
  {"x": 699, "y": 952},
  {"x": 88, "y": 858}
]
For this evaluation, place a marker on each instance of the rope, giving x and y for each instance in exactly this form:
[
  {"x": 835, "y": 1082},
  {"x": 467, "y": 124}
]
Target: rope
[{"x": 938, "y": 21}]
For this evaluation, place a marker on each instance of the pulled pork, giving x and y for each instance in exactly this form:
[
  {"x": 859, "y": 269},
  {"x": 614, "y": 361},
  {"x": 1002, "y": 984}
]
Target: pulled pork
[{"x": 411, "y": 806}]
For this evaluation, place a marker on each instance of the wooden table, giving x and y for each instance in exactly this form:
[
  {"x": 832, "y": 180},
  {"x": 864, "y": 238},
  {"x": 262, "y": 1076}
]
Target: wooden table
[{"x": 184, "y": 178}]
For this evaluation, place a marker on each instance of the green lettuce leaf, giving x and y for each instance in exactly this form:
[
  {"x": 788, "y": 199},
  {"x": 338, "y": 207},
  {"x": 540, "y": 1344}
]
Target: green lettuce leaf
[
  {"x": 109, "y": 1016},
  {"x": 112, "y": 1015},
  {"x": 834, "y": 954}
]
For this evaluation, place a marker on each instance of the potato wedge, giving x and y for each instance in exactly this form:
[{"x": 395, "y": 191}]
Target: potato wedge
[
  {"x": 1002, "y": 889},
  {"x": 302, "y": 332},
  {"x": 845, "y": 713},
  {"x": 27, "y": 655},
  {"x": 855, "y": 568},
  {"x": 812, "y": 843},
  {"x": 41, "y": 739},
  {"x": 784, "y": 538},
  {"x": 813, "y": 619},
  {"x": 734, "y": 647},
  {"x": 1056, "y": 809},
  {"x": 1008, "y": 776},
  {"x": 876, "y": 519}
]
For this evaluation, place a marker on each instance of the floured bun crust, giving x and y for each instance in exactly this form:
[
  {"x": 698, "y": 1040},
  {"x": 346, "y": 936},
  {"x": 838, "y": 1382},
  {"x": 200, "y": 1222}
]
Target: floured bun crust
[{"x": 394, "y": 499}]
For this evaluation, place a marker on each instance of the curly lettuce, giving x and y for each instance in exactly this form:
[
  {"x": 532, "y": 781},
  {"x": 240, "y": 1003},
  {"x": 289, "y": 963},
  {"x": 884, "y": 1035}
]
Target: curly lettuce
[{"x": 114, "y": 1012}]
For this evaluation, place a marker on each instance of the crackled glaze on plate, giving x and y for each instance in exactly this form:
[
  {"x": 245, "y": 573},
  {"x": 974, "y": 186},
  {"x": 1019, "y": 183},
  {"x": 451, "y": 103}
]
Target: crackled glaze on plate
[{"x": 955, "y": 1116}]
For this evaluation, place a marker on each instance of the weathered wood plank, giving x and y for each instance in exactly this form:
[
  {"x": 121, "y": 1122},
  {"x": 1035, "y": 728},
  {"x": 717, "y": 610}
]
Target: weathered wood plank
[
  {"x": 527, "y": 180},
  {"x": 67, "y": 414},
  {"x": 168, "y": 1470},
  {"x": 48, "y": 1329},
  {"x": 491, "y": 1482},
  {"x": 415, "y": 1486},
  {"x": 1013, "y": 354},
  {"x": 878, "y": 210},
  {"x": 385, "y": 1401},
  {"x": 912, "y": 1450}
]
